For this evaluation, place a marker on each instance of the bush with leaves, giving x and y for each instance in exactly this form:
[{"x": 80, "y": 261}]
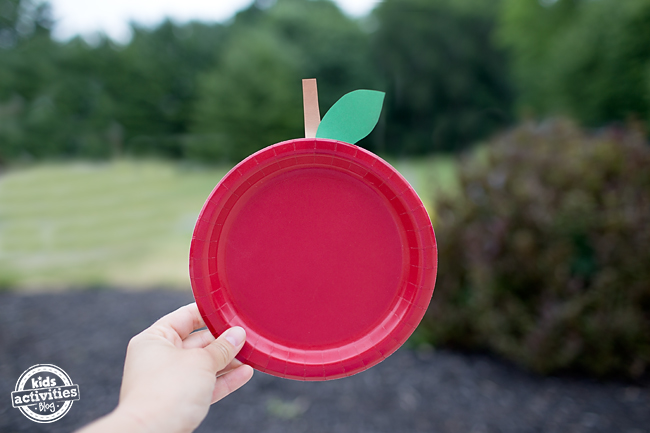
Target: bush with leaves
[{"x": 544, "y": 252}]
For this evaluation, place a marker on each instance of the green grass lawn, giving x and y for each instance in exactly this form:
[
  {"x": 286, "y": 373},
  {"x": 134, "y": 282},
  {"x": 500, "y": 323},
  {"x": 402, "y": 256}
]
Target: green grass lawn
[
  {"x": 121, "y": 223},
  {"x": 118, "y": 223},
  {"x": 429, "y": 176}
]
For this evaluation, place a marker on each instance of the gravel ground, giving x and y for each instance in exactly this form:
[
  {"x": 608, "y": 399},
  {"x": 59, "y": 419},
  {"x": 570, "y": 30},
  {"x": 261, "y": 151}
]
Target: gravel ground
[{"x": 86, "y": 333}]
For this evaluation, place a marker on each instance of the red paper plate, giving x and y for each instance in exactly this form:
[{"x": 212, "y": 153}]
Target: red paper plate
[{"x": 321, "y": 251}]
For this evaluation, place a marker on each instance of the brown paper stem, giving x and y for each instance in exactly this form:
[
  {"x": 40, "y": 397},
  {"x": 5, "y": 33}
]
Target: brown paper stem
[{"x": 310, "y": 103}]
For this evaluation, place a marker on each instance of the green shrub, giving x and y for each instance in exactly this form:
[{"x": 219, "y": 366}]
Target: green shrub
[{"x": 545, "y": 252}]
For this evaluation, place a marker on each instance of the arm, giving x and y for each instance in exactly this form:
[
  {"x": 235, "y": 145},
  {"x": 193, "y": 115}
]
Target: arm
[{"x": 172, "y": 376}]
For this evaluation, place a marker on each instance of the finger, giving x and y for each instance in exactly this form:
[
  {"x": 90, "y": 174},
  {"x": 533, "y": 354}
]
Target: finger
[
  {"x": 231, "y": 382},
  {"x": 182, "y": 321},
  {"x": 233, "y": 364},
  {"x": 223, "y": 349},
  {"x": 198, "y": 340}
]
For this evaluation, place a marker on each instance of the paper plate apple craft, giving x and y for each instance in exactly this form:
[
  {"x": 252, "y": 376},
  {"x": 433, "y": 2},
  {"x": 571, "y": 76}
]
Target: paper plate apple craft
[{"x": 320, "y": 249}]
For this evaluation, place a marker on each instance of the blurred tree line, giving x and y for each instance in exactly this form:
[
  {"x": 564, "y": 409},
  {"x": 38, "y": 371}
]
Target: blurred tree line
[{"x": 454, "y": 72}]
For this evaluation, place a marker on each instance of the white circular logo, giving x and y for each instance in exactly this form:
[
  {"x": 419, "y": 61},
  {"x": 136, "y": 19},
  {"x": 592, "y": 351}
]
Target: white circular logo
[{"x": 44, "y": 393}]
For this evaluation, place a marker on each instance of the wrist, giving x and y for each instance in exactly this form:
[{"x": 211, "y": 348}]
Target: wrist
[
  {"x": 121, "y": 419},
  {"x": 138, "y": 419},
  {"x": 129, "y": 418}
]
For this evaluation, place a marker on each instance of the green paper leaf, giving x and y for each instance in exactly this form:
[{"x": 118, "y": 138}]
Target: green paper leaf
[{"x": 352, "y": 117}]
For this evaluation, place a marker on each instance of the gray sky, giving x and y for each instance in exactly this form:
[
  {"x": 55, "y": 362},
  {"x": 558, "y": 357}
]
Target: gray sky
[{"x": 88, "y": 17}]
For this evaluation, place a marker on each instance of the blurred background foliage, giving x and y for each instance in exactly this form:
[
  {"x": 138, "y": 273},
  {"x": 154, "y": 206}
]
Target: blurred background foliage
[
  {"x": 217, "y": 92},
  {"x": 455, "y": 71},
  {"x": 542, "y": 224},
  {"x": 544, "y": 251},
  {"x": 586, "y": 59}
]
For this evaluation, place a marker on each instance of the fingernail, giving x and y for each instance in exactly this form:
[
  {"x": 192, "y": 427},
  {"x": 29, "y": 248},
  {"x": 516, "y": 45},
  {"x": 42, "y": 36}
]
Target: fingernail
[{"x": 235, "y": 335}]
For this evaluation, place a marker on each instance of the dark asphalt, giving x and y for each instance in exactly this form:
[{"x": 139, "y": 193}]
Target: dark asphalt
[{"x": 86, "y": 334}]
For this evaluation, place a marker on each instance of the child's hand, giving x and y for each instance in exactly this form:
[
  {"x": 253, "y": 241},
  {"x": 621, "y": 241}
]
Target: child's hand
[{"x": 170, "y": 375}]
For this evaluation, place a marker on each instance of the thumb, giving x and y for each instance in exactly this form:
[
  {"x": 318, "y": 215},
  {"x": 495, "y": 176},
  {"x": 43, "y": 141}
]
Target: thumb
[{"x": 223, "y": 349}]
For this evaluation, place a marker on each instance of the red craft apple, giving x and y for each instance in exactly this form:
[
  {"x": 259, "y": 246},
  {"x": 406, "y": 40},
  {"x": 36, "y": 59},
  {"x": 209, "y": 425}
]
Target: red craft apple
[{"x": 320, "y": 249}]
